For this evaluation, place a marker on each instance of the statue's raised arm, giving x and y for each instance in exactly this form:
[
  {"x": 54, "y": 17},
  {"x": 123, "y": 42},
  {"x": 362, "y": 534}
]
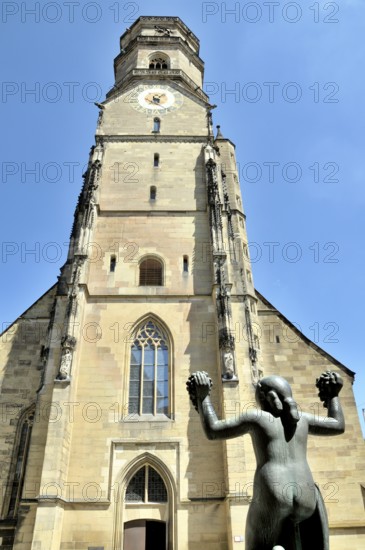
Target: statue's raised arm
[
  {"x": 199, "y": 386},
  {"x": 329, "y": 385}
]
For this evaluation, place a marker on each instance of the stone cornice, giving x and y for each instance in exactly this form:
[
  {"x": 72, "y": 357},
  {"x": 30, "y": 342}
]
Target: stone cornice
[
  {"x": 76, "y": 503},
  {"x": 154, "y": 137},
  {"x": 136, "y": 75},
  {"x": 349, "y": 525},
  {"x": 150, "y": 213},
  {"x": 155, "y": 298}
]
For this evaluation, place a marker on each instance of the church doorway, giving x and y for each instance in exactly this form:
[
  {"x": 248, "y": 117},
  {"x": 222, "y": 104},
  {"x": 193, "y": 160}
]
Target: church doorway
[{"x": 144, "y": 534}]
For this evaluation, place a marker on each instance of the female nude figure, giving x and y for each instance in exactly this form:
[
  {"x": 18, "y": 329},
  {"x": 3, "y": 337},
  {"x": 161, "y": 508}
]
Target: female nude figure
[{"x": 285, "y": 495}]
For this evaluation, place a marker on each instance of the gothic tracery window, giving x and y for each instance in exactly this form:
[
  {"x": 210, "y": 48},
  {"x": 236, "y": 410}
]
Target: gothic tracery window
[
  {"x": 146, "y": 486},
  {"x": 149, "y": 371},
  {"x": 159, "y": 62}
]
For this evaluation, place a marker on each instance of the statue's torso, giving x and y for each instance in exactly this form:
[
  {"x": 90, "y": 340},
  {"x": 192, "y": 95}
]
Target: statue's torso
[{"x": 283, "y": 478}]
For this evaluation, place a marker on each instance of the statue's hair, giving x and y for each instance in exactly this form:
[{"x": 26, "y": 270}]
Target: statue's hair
[{"x": 276, "y": 383}]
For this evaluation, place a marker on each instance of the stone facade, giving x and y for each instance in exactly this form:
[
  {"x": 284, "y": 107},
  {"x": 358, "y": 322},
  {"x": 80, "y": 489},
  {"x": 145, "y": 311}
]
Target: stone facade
[{"x": 166, "y": 192}]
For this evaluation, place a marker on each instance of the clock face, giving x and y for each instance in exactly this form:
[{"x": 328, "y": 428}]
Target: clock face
[{"x": 156, "y": 99}]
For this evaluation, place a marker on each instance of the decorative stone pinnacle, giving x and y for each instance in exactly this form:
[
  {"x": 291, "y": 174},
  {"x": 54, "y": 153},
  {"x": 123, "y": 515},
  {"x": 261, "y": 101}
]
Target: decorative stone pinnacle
[{"x": 219, "y": 133}]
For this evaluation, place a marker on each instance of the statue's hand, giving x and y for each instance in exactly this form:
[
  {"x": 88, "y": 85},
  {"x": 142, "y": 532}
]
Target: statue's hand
[
  {"x": 329, "y": 385},
  {"x": 198, "y": 386}
]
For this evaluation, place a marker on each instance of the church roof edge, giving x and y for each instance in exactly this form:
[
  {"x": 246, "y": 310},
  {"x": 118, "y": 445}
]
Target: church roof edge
[
  {"x": 28, "y": 308},
  {"x": 305, "y": 338}
]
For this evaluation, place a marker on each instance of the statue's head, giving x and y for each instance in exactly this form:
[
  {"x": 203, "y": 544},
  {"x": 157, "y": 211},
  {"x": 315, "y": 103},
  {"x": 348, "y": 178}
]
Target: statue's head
[{"x": 274, "y": 395}]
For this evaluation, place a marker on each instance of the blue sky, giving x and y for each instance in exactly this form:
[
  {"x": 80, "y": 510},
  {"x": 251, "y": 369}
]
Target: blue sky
[{"x": 288, "y": 81}]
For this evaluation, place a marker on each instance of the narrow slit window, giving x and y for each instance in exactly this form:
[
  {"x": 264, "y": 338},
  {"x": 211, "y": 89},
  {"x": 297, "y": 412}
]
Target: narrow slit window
[
  {"x": 186, "y": 264},
  {"x": 156, "y": 160},
  {"x": 20, "y": 464},
  {"x": 113, "y": 263},
  {"x": 277, "y": 339},
  {"x": 156, "y": 125},
  {"x": 153, "y": 193}
]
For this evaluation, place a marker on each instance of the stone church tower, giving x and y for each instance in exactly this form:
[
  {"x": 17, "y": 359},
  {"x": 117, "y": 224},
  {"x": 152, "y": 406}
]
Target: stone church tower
[{"x": 100, "y": 447}]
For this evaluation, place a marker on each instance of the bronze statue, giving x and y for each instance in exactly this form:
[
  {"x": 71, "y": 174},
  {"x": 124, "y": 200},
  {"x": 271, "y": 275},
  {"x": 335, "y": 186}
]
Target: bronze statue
[{"x": 287, "y": 510}]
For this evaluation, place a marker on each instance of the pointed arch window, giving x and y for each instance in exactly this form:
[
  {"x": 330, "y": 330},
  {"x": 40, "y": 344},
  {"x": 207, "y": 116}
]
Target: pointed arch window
[
  {"x": 20, "y": 461},
  {"x": 146, "y": 486},
  {"x": 149, "y": 371}
]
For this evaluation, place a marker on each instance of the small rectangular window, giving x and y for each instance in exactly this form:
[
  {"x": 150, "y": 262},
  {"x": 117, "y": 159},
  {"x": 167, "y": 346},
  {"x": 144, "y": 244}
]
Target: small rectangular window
[
  {"x": 277, "y": 339},
  {"x": 186, "y": 264},
  {"x": 156, "y": 160},
  {"x": 113, "y": 263},
  {"x": 156, "y": 125},
  {"x": 153, "y": 193}
]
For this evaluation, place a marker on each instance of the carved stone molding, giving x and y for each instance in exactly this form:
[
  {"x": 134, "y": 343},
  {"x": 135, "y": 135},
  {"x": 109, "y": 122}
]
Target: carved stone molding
[{"x": 154, "y": 137}]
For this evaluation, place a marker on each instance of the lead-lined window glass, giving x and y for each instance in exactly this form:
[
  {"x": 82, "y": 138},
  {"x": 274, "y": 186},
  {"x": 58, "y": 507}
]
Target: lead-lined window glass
[
  {"x": 149, "y": 371},
  {"x": 146, "y": 486}
]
